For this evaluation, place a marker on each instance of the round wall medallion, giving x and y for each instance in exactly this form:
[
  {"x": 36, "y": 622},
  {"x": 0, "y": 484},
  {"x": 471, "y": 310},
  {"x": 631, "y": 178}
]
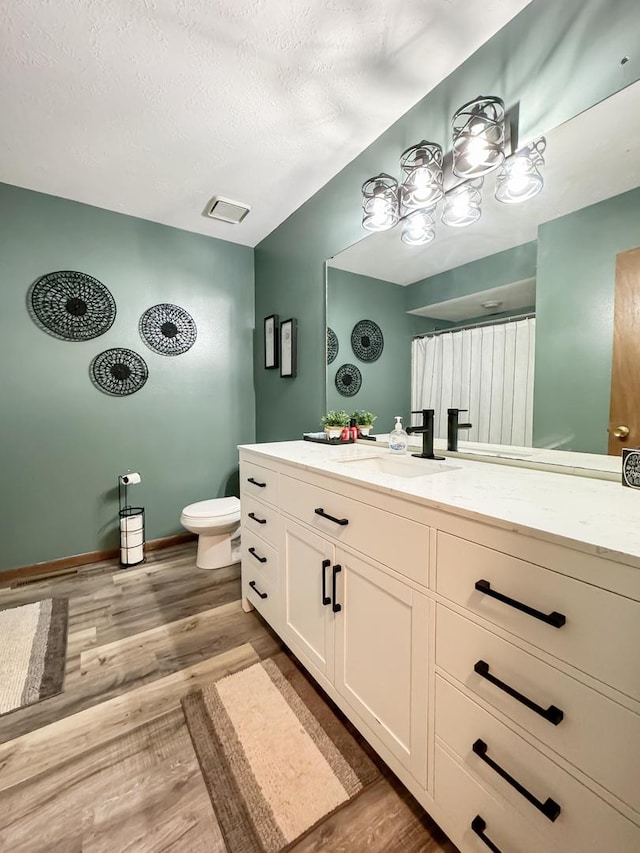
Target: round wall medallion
[
  {"x": 348, "y": 380},
  {"x": 367, "y": 340},
  {"x": 119, "y": 372},
  {"x": 71, "y": 305},
  {"x": 168, "y": 329},
  {"x": 332, "y": 345}
]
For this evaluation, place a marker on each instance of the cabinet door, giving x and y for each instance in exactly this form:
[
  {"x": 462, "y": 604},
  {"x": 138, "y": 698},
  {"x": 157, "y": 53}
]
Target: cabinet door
[
  {"x": 308, "y": 623},
  {"x": 381, "y": 666}
]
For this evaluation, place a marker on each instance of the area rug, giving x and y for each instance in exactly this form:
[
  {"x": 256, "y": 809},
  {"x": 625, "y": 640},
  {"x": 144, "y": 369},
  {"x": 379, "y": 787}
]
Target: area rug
[
  {"x": 33, "y": 645},
  {"x": 275, "y": 758}
]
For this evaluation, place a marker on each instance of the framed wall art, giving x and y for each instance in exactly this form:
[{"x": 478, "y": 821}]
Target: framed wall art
[
  {"x": 288, "y": 342},
  {"x": 271, "y": 348}
]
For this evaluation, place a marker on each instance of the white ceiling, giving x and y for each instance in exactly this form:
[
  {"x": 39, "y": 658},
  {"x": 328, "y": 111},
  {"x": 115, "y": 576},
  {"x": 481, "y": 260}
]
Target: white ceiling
[
  {"x": 509, "y": 297},
  {"x": 151, "y": 107},
  {"x": 594, "y": 156}
]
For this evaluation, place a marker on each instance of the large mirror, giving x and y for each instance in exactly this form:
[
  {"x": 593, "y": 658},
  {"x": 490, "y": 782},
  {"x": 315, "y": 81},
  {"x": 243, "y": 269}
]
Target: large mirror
[{"x": 512, "y": 316}]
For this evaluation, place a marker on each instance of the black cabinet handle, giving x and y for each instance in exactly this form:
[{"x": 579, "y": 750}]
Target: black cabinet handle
[
  {"x": 556, "y": 620},
  {"x": 552, "y": 714},
  {"x": 325, "y": 598},
  {"x": 252, "y": 551},
  {"x": 478, "y": 825},
  {"x": 253, "y": 586},
  {"x": 336, "y": 607},
  {"x": 340, "y": 521},
  {"x": 254, "y": 517},
  {"x": 256, "y": 483},
  {"x": 550, "y": 809}
]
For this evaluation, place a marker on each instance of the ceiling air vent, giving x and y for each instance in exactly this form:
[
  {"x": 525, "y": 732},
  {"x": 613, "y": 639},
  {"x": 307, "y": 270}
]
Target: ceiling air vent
[{"x": 227, "y": 210}]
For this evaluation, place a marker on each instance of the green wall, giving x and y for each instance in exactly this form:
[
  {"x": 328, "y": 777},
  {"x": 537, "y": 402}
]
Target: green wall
[
  {"x": 62, "y": 441},
  {"x": 493, "y": 271},
  {"x": 386, "y": 383},
  {"x": 574, "y": 329},
  {"x": 554, "y": 59}
]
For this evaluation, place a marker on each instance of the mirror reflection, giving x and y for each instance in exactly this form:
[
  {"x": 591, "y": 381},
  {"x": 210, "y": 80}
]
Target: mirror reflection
[{"x": 517, "y": 318}]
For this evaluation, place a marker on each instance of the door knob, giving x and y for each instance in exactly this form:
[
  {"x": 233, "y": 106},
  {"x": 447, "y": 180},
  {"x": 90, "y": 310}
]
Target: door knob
[{"x": 621, "y": 432}]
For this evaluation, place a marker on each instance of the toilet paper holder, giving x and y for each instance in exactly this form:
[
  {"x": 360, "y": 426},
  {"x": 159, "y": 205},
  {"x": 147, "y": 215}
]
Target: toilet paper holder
[{"x": 131, "y": 520}]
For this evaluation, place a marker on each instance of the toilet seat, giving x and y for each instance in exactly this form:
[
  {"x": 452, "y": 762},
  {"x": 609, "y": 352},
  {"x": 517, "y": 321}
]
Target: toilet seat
[{"x": 225, "y": 509}]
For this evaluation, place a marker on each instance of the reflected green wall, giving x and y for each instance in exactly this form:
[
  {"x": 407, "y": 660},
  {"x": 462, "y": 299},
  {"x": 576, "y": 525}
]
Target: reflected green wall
[
  {"x": 574, "y": 333},
  {"x": 555, "y": 59},
  {"x": 62, "y": 441}
]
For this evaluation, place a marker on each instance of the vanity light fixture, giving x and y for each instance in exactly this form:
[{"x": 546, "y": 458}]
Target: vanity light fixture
[
  {"x": 419, "y": 227},
  {"x": 421, "y": 166},
  {"x": 478, "y": 137},
  {"x": 380, "y": 203},
  {"x": 463, "y": 204},
  {"x": 520, "y": 177}
]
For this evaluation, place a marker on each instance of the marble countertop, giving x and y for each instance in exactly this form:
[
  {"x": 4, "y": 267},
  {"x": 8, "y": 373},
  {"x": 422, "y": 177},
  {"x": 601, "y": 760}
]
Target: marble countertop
[{"x": 597, "y": 516}]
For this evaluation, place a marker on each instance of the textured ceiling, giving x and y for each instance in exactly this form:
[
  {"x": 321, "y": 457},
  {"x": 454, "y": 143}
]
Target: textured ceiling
[{"x": 150, "y": 107}]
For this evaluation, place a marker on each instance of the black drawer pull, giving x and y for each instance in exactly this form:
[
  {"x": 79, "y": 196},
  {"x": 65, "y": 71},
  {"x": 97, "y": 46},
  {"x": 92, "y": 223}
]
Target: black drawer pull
[
  {"x": 256, "y": 483},
  {"x": 254, "y": 517},
  {"x": 552, "y": 714},
  {"x": 550, "y": 809},
  {"x": 252, "y": 551},
  {"x": 325, "y": 598},
  {"x": 478, "y": 825},
  {"x": 556, "y": 620},
  {"x": 340, "y": 521},
  {"x": 253, "y": 586},
  {"x": 336, "y": 607}
]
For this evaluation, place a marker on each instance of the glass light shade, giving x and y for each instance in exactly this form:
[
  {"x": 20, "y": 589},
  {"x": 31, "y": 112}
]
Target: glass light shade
[
  {"x": 421, "y": 167},
  {"x": 380, "y": 203},
  {"x": 463, "y": 204},
  {"x": 478, "y": 137},
  {"x": 418, "y": 227},
  {"x": 520, "y": 177}
]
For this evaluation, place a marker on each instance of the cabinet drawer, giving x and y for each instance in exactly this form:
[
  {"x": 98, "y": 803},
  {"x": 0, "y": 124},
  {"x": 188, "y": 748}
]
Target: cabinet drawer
[
  {"x": 389, "y": 539},
  {"x": 580, "y": 818},
  {"x": 258, "y": 481},
  {"x": 258, "y": 555},
  {"x": 465, "y": 801},
  {"x": 596, "y": 734},
  {"x": 601, "y": 633},
  {"x": 261, "y": 519},
  {"x": 255, "y": 586}
]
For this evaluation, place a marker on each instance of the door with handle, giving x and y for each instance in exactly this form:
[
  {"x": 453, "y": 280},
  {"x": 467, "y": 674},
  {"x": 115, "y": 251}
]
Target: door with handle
[
  {"x": 624, "y": 410},
  {"x": 309, "y": 591}
]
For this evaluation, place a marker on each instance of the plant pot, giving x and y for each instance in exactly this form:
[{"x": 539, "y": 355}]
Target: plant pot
[
  {"x": 364, "y": 429},
  {"x": 333, "y": 432}
]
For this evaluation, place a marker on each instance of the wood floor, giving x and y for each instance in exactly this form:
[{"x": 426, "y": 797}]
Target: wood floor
[{"x": 108, "y": 764}]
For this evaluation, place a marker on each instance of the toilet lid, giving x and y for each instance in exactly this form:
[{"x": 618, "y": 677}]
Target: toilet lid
[{"x": 215, "y": 508}]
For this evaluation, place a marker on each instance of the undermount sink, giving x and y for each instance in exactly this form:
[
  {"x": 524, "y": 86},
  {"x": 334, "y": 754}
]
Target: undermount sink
[{"x": 397, "y": 467}]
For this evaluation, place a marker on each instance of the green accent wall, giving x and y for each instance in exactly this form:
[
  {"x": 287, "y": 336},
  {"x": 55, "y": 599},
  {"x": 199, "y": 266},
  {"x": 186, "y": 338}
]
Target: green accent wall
[
  {"x": 496, "y": 270},
  {"x": 554, "y": 60},
  {"x": 63, "y": 442},
  {"x": 574, "y": 330}
]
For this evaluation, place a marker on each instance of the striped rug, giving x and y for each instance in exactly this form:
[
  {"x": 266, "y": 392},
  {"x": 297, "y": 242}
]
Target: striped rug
[
  {"x": 33, "y": 644},
  {"x": 275, "y": 758}
]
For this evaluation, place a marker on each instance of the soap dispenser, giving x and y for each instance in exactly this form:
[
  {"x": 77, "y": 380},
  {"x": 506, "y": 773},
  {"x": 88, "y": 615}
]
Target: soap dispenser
[{"x": 398, "y": 438}]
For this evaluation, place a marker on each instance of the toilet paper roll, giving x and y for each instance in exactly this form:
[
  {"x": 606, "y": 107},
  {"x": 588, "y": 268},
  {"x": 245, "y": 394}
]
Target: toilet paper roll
[
  {"x": 130, "y": 479},
  {"x": 129, "y": 556},
  {"x": 131, "y": 523},
  {"x": 128, "y": 538}
]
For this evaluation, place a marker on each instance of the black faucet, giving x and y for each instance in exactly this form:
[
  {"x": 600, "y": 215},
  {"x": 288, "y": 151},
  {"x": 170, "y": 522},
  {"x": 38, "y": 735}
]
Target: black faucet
[
  {"x": 452, "y": 428},
  {"x": 427, "y": 434}
]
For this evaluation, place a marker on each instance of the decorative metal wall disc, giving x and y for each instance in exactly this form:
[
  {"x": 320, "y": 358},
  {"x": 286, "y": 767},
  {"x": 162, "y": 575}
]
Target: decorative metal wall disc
[
  {"x": 71, "y": 305},
  {"x": 168, "y": 329},
  {"x": 332, "y": 345},
  {"x": 348, "y": 380},
  {"x": 119, "y": 372},
  {"x": 367, "y": 341}
]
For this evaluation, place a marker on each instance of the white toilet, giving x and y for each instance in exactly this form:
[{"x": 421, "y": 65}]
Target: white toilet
[{"x": 217, "y": 524}]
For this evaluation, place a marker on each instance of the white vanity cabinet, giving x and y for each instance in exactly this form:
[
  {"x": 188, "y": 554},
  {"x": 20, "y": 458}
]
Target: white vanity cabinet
[{"x": 496, "y": 672}]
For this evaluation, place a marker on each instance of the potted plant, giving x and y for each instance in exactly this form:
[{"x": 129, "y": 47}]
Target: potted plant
[
  {"x": 364, "y": 420},
  {"x": 333, "y": 423}
]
